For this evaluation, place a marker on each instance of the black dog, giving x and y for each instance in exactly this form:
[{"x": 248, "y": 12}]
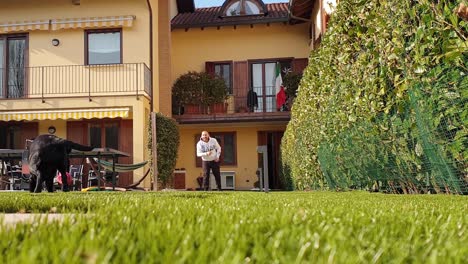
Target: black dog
[{"x": 47, "y": 154}]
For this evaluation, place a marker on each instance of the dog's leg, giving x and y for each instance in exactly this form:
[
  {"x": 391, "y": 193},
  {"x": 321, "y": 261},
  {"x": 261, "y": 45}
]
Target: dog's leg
[
  {"x": 39, "y": 182},
  {"x": 50, "y": 184},
  {"x": 32, "y": 182}
]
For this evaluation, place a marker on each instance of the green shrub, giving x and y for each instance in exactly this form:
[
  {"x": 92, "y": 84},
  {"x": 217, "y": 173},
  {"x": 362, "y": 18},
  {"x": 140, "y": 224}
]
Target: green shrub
[
  {"x": 167, "y": 136},
  {"x": 291, "y": 83},
  {"x": 199, "y": 88},
  {"x": 384, "y": 100}
]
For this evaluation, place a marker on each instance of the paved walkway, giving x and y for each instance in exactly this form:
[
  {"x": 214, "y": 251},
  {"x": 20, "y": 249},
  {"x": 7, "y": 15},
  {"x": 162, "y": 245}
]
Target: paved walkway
[{"x": 16, "y": 218}]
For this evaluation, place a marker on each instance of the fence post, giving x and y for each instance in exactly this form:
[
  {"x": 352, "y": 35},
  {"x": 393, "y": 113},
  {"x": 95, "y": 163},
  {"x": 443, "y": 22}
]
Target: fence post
[
  {"x": 42, "y": 85},
  {"x": 137, "y": 76},
  {"x": 89, "y": 83}
]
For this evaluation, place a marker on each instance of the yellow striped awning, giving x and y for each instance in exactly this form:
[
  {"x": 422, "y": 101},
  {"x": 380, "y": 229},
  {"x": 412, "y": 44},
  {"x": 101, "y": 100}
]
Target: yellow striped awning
[
  {"x": 92, "y": 22},
  {"x": 21, "y": 26},
  {"x": 65, "y": 114}
]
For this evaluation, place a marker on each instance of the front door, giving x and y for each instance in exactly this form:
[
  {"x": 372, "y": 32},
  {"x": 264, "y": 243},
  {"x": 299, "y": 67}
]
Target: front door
[
  {"x": 272, "y": 139},
  {"x": 12, "y": 66}
]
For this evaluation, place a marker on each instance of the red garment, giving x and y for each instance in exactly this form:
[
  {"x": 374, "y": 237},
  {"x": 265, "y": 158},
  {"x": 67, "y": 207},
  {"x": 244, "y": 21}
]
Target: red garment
[
  {"x": 280, "y": 98},
  {"x": 69, "y": 178}
]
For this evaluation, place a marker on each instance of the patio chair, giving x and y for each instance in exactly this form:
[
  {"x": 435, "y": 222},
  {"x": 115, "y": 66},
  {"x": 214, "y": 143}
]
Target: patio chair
[{"x": 76, "y": 171}]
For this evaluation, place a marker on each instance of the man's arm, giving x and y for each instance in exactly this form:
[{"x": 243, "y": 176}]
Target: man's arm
[{"x": 218, "y": 149}]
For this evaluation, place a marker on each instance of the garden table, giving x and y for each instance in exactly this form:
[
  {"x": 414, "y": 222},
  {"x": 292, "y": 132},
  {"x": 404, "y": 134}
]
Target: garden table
[{"x": 99, "y": 153}]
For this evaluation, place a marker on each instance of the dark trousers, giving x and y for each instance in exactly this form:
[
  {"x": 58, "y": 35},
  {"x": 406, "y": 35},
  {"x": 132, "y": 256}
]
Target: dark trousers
[{"x": 214, "y": 166}]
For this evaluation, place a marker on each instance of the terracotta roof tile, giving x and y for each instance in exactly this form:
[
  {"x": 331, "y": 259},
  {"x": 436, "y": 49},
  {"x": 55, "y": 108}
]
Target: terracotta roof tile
[{"x": 210, "y": 17}]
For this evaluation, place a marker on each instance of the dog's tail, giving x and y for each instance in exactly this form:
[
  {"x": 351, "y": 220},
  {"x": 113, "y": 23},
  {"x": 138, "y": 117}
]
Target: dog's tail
[{"x": 76, "y": 146}]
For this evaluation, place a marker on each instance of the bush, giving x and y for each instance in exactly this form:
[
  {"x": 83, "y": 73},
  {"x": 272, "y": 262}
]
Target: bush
[
  {"x": 291, "y": 83},
  {"x": 383, "y": 101},
  {"x": 168, "y": 138},
  {"x": 199, "y": 88}
]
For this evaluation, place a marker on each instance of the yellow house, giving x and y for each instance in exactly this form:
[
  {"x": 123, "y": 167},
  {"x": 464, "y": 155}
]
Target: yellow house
[
  {"x": 86, "y": 70},
  {"x": 91, "y": 71},
  {"x": 244, "y": 42}
]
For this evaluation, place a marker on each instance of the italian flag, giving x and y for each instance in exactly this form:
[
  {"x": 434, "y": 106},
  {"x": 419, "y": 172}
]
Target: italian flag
[
  {"x": 279, "y": 80},
  {"x": 280, "y": 94}
]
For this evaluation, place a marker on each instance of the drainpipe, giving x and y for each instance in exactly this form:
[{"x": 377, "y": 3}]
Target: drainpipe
[
  {"x": 153, "y": 115},
  {"x": 151, "y": 53}
]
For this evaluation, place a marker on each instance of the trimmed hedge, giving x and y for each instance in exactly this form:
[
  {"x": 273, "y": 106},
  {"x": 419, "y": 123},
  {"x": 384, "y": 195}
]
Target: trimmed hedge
[
  {"x": 167, "y": 136},
  {"x": 384, "y": 101}
]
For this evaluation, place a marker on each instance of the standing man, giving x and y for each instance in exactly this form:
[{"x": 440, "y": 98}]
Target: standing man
[{"x": 209, "y": 150}]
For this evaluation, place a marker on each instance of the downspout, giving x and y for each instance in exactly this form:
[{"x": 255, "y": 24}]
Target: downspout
[
  {"x": 151, "y": 53},
  {"x": 153, "y": 115}
]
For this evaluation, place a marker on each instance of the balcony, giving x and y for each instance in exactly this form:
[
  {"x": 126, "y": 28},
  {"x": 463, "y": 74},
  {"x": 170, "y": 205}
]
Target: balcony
[
  {"x": 90, "y": 81},
  {"x": 235, "y": 109}
]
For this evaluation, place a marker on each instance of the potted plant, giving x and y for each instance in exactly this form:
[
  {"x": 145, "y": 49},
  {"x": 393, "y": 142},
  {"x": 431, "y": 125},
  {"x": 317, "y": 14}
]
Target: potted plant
[
  {"x": 291, "y": 83},
  {"x": 198, "y": 91}
]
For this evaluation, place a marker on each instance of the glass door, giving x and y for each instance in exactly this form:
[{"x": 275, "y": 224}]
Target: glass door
[
  {"x": 263, "y": 83},
  {"x": 12, "y": 65}
]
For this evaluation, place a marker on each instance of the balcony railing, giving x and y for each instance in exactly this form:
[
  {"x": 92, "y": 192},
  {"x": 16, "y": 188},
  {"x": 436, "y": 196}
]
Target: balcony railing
[
  {"x": 236, "y": 108},
  {"x": 75, "y": 80}
]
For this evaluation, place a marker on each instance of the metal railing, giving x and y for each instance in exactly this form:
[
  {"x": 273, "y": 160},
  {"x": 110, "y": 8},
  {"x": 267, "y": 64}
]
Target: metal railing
[
  {"x": 237, "y": 104},
  {"x": 75, "y": 80}
]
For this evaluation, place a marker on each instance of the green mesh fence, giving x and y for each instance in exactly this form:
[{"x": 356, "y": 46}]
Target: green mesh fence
[{"x": 421, "y": 146}]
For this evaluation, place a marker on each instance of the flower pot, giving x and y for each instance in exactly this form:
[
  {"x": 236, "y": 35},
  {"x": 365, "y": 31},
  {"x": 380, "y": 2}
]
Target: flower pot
[{"x": 218, "y": 108}]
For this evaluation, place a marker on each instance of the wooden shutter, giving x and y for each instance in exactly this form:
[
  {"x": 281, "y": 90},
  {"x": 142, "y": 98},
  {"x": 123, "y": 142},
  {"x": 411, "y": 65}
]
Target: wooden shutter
[
  {"x": 77, "y": 132},
  {"x": 198, "y": 160},
  {"x": 28, "y": 131},
  {"x": 240, "y": 83},
  {"x": 298, "y": 65},
  {"x": 126, "y": 145},
  {"x": 209, "y": 68}
]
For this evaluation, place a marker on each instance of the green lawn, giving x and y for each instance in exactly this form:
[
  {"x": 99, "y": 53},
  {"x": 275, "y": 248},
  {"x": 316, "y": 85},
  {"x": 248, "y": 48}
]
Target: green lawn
[{"x": 237, "y": 227}]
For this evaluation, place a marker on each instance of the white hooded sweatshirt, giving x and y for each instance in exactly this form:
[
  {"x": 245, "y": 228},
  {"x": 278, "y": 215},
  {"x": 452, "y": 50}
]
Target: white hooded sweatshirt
[{"x": 210, "y": 150}]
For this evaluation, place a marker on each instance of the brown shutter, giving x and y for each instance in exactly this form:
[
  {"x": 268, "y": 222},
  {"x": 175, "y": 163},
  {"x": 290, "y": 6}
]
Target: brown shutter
[
  {"x": 240, "y": 83},
  {"x": 198, "y": 160},
  {"x": 298, "y": 65},
  {"x": 77, "y": 132},
  {"x": 126, "y": 145},
  {"x": 209, "y": 68},
  {"x": 28, "y": 131}
]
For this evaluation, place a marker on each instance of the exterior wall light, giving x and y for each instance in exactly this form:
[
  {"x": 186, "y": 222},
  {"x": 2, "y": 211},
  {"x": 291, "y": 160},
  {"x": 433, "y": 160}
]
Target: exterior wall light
[
  {"x": 55, "y": 42},
  {"x": 51, "y": 130}
]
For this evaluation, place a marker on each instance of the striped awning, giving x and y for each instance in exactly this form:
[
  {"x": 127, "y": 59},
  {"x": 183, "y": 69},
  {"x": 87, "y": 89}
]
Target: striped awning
[
  {"x": 21, "y": 26},
  {"x": 65, "y": 114},
  {"x": 92, "y": 22}
]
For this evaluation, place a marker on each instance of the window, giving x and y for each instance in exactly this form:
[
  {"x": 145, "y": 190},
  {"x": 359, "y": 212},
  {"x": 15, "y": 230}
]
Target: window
[
  {"x": 103, "y": 132},
  {"x": 223, "y": 70},
  {"x": 12, "y": 66},
  {"x": 227, "y": 141},
  {"x": 263, "y": 83},
  {"x": 104, "y": 46},
  {"x": 243, "y": 7}
]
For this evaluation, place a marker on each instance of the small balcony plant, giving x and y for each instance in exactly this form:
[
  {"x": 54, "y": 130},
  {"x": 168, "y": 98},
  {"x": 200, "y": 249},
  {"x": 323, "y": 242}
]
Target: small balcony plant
[{"x": 199, "y": 92}]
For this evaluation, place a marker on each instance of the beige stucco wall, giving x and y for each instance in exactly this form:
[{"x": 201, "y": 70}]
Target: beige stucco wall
[
  {"x": 135, "y": 39},
  {"x": 247, "y": 159},
  {"x": 191, "y": 49},
  {"x": 71, "y": 51}
]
